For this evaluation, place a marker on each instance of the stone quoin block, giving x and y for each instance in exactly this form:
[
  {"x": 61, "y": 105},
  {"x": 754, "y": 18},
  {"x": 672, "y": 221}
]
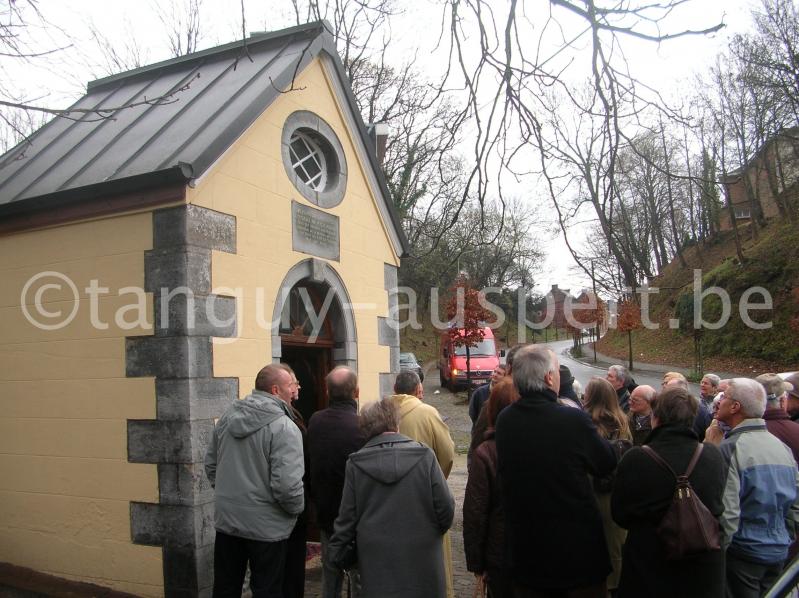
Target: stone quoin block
[
  {"x": 194, "y": 226},
  {"x": 154, "y": 441},
  {"x": 172, "y": 526},
  {"x": 187, "y": 314},
  {"x": 194, "y": 398},
  {"x": 192, "y": 572},
  {"x": 386, "y": 384},
  {"x": 183, "y": 484},
  {"x": 387, "y": 332},
  {"x": 169, "y": 356},
  {"x": 171, "y": 269}
]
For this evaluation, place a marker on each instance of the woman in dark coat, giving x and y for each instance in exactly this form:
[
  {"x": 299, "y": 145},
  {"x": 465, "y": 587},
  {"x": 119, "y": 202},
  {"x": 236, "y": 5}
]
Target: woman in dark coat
[
  {"x": 396, "y": 506},
  {"x": 643, "y": 492},
  {"x": 483, "y": 518}
]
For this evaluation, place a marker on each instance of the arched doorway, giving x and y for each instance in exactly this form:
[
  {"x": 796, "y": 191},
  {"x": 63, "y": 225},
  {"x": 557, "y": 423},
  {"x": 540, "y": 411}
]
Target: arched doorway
[{"x": 315, "y": 329}]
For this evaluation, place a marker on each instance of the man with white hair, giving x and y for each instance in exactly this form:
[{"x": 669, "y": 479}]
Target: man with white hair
[
  {"x": 760, "y": 498},
  {"x": 618, "y": 378},
  {"x": 545, "y": 452}
]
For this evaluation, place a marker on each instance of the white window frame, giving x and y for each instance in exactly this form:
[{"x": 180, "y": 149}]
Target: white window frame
[{"x": 315, "y": 153}]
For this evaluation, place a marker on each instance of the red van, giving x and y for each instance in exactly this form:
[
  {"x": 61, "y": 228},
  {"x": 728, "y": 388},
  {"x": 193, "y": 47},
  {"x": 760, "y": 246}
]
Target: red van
[{"x": 483, "y": 358}]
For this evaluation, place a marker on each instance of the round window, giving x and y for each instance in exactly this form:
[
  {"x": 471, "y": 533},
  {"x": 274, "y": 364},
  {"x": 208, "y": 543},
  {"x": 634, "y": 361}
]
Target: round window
[
  {"x": 308, "y": 160},
  {"x": 314, "y": 159}
]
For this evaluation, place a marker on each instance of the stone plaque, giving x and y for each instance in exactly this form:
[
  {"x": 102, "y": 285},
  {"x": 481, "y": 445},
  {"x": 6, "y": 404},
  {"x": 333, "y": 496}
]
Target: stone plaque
[{"x": 314, "y": 232}]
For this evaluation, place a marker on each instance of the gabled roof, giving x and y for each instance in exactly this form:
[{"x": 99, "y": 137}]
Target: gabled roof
[{"x": 182, "y": 116}]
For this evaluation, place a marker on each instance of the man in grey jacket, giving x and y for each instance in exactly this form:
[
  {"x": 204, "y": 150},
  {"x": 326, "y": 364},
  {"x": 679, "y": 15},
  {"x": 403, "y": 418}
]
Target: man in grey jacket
[{"x": 255, "y": 464}]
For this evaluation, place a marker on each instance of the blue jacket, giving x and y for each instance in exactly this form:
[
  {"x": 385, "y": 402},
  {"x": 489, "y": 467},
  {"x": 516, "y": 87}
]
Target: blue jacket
[{"x": 760, "y": 496}]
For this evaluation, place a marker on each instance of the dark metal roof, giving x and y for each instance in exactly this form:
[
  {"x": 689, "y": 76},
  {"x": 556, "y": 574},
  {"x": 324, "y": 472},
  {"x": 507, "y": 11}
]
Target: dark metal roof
[{"x": 213, "y": 96}]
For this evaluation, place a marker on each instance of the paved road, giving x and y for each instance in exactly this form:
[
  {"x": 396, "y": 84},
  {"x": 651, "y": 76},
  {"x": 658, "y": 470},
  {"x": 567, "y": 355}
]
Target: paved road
[{"x": 583, "y": 371}]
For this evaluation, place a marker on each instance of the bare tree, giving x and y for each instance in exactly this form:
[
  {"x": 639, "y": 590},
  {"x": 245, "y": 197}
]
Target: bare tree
[
  {"x": 182, "y": 24},
  {"x": 505, "y": 85}
]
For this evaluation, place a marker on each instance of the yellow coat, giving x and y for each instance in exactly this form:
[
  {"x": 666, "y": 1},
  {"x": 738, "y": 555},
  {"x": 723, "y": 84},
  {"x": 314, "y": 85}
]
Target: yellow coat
[{"x": 423, "y": 423}]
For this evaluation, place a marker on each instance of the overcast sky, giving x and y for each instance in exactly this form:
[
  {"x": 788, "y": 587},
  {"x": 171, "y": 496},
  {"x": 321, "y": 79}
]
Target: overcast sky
[{"x": 669, "y": 67}]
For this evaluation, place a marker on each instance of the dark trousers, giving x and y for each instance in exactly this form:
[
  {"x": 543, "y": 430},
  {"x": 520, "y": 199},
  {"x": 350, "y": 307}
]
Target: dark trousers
[
  {"x": 747, "y": 579},
  {"x": 499, "y": 584},
  {"x": 266, "y": 560},
  {"x": 598, "y": 590},
  {"x": 294, "y": 569}
]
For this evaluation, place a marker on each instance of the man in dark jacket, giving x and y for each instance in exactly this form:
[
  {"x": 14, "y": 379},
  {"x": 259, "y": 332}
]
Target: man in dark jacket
[
  {"x": 618, "y": 376},
  {"x": 777, "y": 420},
  {"x": 481, "y": 393},
  {"x": 333, "y": 435},
  {"x": 792, "y": 406},
  {"x": 545, "y": 452},
  {"x": 255, "y": 464}
]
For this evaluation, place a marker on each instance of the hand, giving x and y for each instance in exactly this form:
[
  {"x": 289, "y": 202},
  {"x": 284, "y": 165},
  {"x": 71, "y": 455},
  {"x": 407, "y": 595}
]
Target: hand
[{"x": 714, "y": 434}]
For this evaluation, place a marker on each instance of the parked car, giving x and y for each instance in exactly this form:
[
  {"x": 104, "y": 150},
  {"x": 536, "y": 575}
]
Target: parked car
[{"x": 408, "y": 361}]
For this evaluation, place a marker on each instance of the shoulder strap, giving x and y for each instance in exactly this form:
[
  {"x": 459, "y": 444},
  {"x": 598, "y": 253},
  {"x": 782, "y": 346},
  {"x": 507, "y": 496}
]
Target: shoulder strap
[
  {"x": 658, "y": 459},
  {"x": 694, "y": 459},
  {"x": 662, "y": 462}
]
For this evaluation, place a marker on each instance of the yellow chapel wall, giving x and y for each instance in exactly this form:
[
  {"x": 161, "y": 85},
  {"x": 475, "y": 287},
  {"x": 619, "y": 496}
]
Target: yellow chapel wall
[
  {"x": 66, "y": 484},
  {"x": 250, "y": 183}
]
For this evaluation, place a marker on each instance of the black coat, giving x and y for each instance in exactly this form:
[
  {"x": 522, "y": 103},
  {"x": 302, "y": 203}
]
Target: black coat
[
  {"x": 478, "y": 401},
  {"x": 333, "y": 435},
  {"x": 553, "y": 529},
  {"x": 642, "y": 493}
]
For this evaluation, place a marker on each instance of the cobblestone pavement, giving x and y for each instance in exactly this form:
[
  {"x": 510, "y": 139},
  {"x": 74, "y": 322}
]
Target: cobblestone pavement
[{"x": 454, "y": 411}]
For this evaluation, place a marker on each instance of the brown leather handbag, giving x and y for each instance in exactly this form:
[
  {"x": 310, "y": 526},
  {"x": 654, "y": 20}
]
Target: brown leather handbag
[{"x": 688, "y": 527}]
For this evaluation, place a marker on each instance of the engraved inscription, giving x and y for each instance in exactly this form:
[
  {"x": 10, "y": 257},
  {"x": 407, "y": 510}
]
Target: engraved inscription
[{"x": 314, "y": 232}]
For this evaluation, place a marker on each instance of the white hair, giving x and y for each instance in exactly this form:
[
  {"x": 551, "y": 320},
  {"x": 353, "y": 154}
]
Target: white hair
[
  {"x": 750, "y": 394},
  {"x": 530, "y": 365},
  {"x": 621, "y": 373}
]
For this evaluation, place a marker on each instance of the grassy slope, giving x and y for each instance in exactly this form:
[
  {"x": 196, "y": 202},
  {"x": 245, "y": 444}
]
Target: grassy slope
[{"x": 772, "y": 263}]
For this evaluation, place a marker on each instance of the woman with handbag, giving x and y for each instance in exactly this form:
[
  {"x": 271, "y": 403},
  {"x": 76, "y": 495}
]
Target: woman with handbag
[
  {"x": 602, "y": 404},
  {"x": 395, "y": 507},
  {"x": 643, "y": 493}
]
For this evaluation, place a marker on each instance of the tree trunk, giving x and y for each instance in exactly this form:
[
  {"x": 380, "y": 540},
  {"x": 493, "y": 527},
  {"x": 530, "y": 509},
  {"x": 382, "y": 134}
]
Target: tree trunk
[
  {"x": 677, "y": 241},
  {"x": 630, "y": 348},
  {"x": 468, "y": 373}
]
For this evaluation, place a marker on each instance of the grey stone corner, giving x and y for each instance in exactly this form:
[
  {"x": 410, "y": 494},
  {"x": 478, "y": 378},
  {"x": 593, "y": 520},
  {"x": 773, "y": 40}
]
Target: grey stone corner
[
  {"x": 386, "y": 382},
  {"x": 194, "y": 226},
  {"x": 387, "y": 332},
  {"x": 390, "y": 279}
]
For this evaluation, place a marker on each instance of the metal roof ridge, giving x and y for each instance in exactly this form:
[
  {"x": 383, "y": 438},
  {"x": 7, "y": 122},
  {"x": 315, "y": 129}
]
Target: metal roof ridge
[{"x": 315, "y": 27}]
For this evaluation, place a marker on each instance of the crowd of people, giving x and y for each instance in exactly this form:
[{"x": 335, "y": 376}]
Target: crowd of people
[
  {"x": 570, "y": 492},
  {"x": 566, "y": 482}
]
